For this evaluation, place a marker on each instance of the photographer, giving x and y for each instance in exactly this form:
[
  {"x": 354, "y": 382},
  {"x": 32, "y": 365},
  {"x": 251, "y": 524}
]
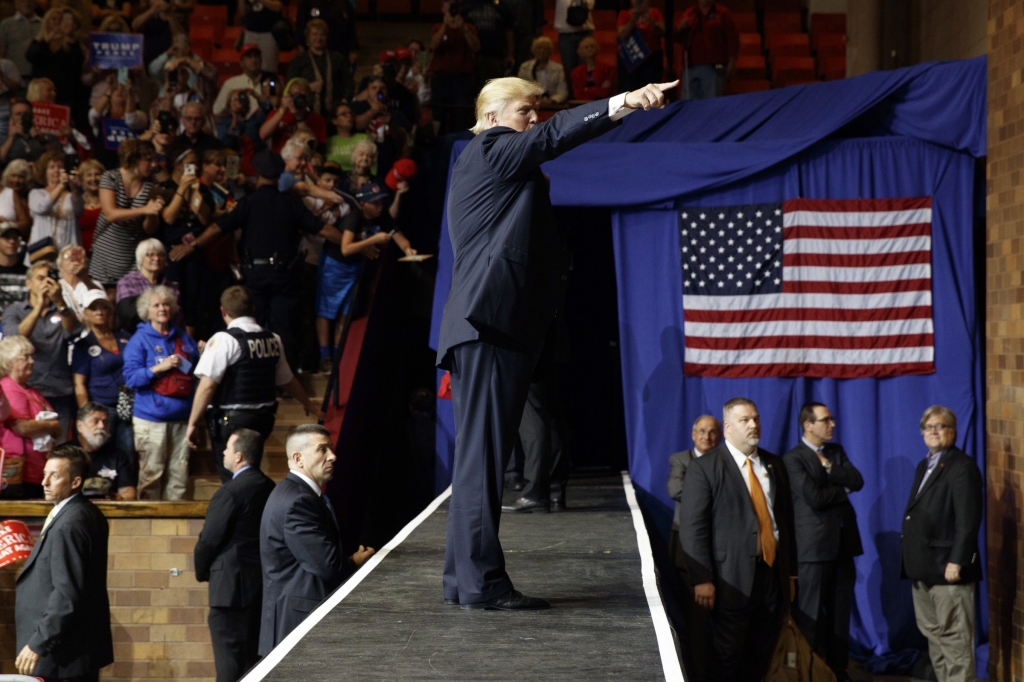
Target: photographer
[
  {"x": 191, "y": 74},
  {"x": 157, "y": 24},
  {"x": 17, "y": 181},
  {"x": 294, "y": 114},
  {"x": 118, "y": 102},
  {"x": 50, "y": 324},
  {"x": 250, "y": 79},
  {"x": 258, "y": 18},
  {"x": 193, "y": 118},
  {"x": 57, "y": 202},
  {"x": 239, "y": 129},
  {"x": 455, "y": 44},
  {"x": 327, "y": 72},
  {"x": 24, "y": 141}
]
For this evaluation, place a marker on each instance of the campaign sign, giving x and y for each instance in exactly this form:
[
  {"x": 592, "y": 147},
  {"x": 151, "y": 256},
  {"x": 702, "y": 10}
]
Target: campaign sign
[
  {"x": 116, "y": 131},
  {"x": 15, "y": 541},
  {"x": 633, "y": 51},
  {"x": 50, "y": 118},
  {"x": 116, "y": 50}
]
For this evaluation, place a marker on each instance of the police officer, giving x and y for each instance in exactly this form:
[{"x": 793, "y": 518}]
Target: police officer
[
  {"x": 271, "y": 223},
  {"x": 239, "y": 372}
]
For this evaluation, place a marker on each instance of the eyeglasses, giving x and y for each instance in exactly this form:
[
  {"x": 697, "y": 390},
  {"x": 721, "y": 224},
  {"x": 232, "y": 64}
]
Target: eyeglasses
[
  {"x": 825, "y": 420},
  {"x": 934, "y": 428},
  {"x": 706, "y": 432}
]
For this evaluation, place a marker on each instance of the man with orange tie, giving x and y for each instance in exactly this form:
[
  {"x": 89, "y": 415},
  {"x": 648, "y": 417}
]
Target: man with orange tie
[{"x": 737, "y": 534}]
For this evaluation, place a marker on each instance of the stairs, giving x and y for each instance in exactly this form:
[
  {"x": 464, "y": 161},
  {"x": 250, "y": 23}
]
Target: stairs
[{"x": 203, "y": 479}]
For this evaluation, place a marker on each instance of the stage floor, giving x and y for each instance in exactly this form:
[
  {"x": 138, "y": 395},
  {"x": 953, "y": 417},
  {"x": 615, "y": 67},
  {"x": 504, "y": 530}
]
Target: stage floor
[{"x": 585, "y": 561}]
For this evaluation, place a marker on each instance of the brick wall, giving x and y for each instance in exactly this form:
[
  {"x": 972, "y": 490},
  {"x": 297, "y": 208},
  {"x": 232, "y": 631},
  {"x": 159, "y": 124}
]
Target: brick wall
[
  {"x": 1004, "y": 338},
  {"x": 158, "y": 621}
]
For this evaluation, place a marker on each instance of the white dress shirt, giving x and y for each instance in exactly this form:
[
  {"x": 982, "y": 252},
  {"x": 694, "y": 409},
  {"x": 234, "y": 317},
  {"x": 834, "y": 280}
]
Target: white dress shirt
[
  {"x": 762, "y": 476},
  {"x": 223, "y": 350},
  {"x": 60, "y": 505},
  {"x": 308, "y": 480}
]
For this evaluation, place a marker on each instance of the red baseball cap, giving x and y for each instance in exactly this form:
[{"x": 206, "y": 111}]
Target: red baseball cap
[
  {"x": 402, "y": 53},
  {"x": 404, "y": 169},
  {"x": 249, "y": 47},
  {"x": 387, "y": 56}
]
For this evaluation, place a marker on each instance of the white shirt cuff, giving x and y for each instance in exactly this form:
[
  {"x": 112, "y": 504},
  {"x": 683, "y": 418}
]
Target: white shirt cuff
[{"x": 617, "y": 107}]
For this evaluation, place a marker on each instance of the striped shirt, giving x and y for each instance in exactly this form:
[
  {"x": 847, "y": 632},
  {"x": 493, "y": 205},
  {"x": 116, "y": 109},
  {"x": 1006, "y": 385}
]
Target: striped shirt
[{"x": 113, "y": 247}]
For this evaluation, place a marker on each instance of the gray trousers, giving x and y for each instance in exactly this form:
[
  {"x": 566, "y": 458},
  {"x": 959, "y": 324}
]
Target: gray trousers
[{"x": 945, "y": 616}]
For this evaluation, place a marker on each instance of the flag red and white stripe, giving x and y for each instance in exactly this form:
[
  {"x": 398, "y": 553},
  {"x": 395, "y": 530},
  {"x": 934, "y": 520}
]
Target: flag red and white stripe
[{"x": 854, "y": 298}]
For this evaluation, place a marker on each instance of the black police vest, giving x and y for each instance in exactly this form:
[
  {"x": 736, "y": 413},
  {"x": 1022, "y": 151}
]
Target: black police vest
[{"x": 251, "y": 380}]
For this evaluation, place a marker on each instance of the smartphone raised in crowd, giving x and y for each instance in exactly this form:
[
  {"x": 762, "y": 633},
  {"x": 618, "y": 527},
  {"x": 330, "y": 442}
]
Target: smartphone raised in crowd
[{"x": 190, "y": 169}]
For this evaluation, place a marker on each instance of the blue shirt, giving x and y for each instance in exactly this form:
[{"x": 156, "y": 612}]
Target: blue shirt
[
  {"x": 235, "y": 475},
  {"x": 100, "y": 367}
]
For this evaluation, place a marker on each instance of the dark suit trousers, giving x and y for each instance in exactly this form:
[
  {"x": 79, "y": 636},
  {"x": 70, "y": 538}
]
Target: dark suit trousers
[
  {"x": 235, "y": 633},
  {"x": 544, "y": 462},
  {"x": 489, "y": 386},
  {"x": 695, "y": 640},
  {"x": 275, "y": 298},
  {"x": 745, "y": 638},
  {"x": 824, "y": 597},
  {"x": 222, "y": 424}
]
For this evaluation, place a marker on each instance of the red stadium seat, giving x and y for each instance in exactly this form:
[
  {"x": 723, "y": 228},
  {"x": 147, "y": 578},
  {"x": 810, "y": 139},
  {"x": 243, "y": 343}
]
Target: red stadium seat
[
  {"x": 609, "y": 58},
  {"x": 606, "y": 39},
  {"x": 549, "y": 15},
  {"x": 231, "y": 35},
  {"x": 202, "y": 47},
  {"x": 833, "y": 68},
  {"x": 199, "y": 31},
  {"x": 782, "y": 6},
  {"x": 430, "y": 6},
  {"x": 604, "y": 19},
  {"x": 740, "y": 5},
  {"x": 225, "y": 58},
  {"x": 789, "y": 45},
  {"x": 750, "y": 68},
  {"x": 218, "y": 11},
  {"x": 737, "y": 86},
  {"x": 291, "y": 11},
  {"x": 750, "y": 44},
  {"x": 216, "y": 23},
  {"x": 788, "y": 69},
  {"x": 786, "y": 82},
  {"x": 827, "y": 53},
  {"x": 286, "y": 57},
  {"x": 782, "y": 22},
  {"x": 823, "y": 22},
  {"x": 828, "y": 40},
  {"x": 746, "y": 22}
]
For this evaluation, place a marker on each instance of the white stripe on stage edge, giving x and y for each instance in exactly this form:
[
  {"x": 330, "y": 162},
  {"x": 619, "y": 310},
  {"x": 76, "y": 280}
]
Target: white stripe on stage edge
[
  {"x": 666, "y": 644},
  {"x": 270, "y": 661}
]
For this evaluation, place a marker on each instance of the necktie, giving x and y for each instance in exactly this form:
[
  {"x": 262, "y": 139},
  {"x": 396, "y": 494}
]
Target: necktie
[
  {"x": 49, "y": 520},
  {"x": 330, "y": 508},
  {"x": 764, "y": 519}
]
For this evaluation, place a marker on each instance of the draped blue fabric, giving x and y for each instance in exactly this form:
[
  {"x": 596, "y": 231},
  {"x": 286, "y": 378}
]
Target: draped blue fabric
[
  {"x": 694, "y": 146},
  {"x": 911, "y": 132}
]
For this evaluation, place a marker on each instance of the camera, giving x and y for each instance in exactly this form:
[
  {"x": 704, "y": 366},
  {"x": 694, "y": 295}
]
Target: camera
[
  {"x": 243, "y": 98},
  {"x": 172, "y": 77},
  {"x": 70, "y": 163},
  {"x": 53, "y": 273},
  {"x": 300, "y": 101},
  {"x": 26, "y": 121},
  {"x": 167, "y": 121}
]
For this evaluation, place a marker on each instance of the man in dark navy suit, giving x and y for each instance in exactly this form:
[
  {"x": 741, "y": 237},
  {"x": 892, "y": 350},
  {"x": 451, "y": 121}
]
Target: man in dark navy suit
[
  {"x": 508, "y": 282},
  {"x": 827, "y": 537},
  {"x": 228, "y": 556},
  {"x": 300, "y": 543}
]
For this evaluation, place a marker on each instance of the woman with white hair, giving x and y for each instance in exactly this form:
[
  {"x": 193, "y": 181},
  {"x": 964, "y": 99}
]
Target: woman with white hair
[
  {"x": 25, "y": 437},
  {"x": 14, "y": 197},
  {"x": 151, "y": 262},
  {"x": 546, "y": 73},
  {"x": 158, "y": 362}
]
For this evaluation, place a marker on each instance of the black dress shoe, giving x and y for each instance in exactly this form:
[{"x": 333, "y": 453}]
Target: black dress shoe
[
  {"x": 525, "y": 505},
  {"x": 513, "y": 600},
  {"x": 451, "y": 602}
]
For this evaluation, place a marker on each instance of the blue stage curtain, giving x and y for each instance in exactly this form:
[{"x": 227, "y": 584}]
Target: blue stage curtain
[
  {"x": 695, "y": 146},
  {"x": 877, "y": 418}
]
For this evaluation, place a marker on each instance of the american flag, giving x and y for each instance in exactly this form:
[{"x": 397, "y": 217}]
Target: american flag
[{"x": 808, "y": 287}]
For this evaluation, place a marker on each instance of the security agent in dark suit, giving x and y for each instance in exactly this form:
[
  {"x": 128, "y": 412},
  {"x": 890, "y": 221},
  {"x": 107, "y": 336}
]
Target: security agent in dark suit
[
  {"x": 62, "y": 613},
  {"x": 507, "y": 285},
  {"x": 706, "y": 434},
  {"x": 228, "y": 556},
  {"x": 827, "y": 537},
  {"x": 736, "y": 528},
  {"x": 300, "y": 543},
  {"x": 940, "y": 546}
]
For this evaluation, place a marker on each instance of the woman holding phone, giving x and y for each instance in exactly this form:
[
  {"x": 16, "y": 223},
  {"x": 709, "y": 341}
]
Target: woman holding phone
[{"x": 57, "y": 203}]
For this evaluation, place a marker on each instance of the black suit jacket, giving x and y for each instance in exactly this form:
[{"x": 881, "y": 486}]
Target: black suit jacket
[
  {"x": 228, "y": 550},
  {"x": 940, "y": 525},
  {"x": 677, "y": 464},
  {"x": 300, "y": 547},
  {"x": 62, "y": 612},
  {"x": 510, "y": 259},
  {"x": 825, "y": 519},
  {"x": 718, "y": 527}
]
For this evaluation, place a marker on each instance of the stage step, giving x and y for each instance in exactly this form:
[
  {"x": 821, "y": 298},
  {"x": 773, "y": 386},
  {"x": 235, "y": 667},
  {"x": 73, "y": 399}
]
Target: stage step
[{"x": 203, "y": 479}]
